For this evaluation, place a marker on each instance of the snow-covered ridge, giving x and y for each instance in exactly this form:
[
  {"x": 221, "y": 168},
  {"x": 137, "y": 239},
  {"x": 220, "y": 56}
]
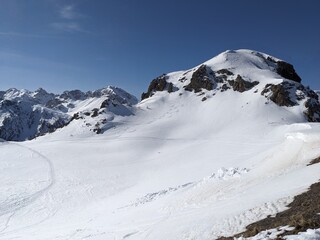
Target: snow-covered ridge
[
  {"x": 243, "y": 71},
  {"x": 25, "y": 114}
]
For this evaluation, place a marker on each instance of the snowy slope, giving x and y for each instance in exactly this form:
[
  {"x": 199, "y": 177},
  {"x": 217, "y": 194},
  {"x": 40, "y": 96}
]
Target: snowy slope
[{"x": 177, "y": 166}]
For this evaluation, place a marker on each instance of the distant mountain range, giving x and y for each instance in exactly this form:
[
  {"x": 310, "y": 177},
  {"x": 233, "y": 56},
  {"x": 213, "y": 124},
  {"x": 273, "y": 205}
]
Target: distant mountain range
[{"x": 26, "y": 115}]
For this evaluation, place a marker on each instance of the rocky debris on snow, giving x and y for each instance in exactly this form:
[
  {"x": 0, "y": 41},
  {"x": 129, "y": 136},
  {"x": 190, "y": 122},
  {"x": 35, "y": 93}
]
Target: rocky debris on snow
[
  {"x": 303, "y": 214},
  {"x": 202, "y": 78},
  {"x": 241, "y": 85},
  {"x": 158, "y": 84}
]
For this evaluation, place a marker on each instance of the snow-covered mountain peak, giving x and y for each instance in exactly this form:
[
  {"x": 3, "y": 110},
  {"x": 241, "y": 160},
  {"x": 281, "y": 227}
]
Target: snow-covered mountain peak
[
  {"x": 25, "y": 114},
  {"x": 259, "y": 76},
  {"x": 115, "y": 93}
]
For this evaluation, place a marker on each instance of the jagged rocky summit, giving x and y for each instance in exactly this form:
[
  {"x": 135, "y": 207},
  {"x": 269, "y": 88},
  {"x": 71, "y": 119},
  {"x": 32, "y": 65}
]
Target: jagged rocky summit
[
  {"x": 243, "y": 71},
  {"x": 25, "y": 114}
]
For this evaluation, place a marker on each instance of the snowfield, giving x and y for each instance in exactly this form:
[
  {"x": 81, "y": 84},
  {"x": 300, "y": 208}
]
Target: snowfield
[{"x": 179, "y": 168}]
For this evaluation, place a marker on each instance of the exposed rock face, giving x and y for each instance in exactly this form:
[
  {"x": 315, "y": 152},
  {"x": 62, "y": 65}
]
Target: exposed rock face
[
  {"x": 158, "y": 84},
  {"x": 313, "y": 110},
  {"x": 74, "y": 95},
  {"x": 240, "y": 85},
  {"x": 201, "y": 79},
  {"x": 287, "y": 71},
  {"x": 291, "y": 94},
  {"x": 280, "y": 94},
  {"x": 225, "y": 72}
]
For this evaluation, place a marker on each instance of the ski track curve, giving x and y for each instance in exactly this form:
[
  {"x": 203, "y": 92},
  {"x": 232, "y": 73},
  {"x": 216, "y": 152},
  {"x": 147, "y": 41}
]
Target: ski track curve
[{"x": 26, "y": 201}]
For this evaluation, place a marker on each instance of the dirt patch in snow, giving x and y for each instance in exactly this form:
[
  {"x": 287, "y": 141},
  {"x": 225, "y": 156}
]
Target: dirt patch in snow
[{"x": 303, "y": 214}]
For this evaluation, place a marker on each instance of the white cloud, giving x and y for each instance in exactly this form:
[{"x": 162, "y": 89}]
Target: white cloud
[
  {"x": 68, "y": 12},
  {"x": 68, "y": 27},
  {"x": 68, "y": 20}
]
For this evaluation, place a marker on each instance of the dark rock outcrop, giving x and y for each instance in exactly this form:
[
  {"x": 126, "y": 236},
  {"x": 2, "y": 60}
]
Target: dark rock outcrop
[
  {"x": 158, "y": 84},
  {"x": 222, "y": 75},
  {"x": 287, "y": 71},
  {"x": 313, "y": 110},
  {"x": 201, "y": 79},
  {"x": 74, "y": 95},
  {"x": 241, "y": 85},
  {"x": 280, "y": 94},
  {"x": 290, "y": 94},
  {"x": 225, "y": 72}
]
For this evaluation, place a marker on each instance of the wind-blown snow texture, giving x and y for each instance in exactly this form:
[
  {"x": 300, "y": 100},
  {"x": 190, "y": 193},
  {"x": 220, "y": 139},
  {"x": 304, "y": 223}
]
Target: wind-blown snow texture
[{"x": 202, "y": 156}]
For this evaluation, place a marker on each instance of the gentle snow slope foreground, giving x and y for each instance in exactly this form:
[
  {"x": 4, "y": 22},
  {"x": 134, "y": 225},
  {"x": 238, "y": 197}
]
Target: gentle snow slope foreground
[{"x": 179, "y": 168}]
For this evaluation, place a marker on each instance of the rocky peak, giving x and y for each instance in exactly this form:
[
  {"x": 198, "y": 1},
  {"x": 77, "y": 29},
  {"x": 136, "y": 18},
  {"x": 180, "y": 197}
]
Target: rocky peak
[
  {"x": 241, "y": 85},
  {"x": 158, "y": 84},
  {"x": 243, "y": 71},
  {"x": 287, "y": 71},
  {"x": 202, "y": 78},
  {"x": 73, "y": 95}
]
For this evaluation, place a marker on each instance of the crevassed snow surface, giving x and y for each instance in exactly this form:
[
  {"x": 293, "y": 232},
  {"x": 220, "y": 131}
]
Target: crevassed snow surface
[{"x": 178, "y": 169}]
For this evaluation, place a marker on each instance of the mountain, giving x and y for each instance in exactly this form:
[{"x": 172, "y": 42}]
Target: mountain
[
  {"x": 243, "y": 71},
  {"x": 229, "y": 148},
  {"x": 26, "y": 115}
]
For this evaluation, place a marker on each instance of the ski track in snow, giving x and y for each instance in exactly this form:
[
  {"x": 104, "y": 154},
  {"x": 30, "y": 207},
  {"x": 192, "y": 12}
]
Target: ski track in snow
[
  {"x": 28, "y": 200},
  {"x": 221, "y": 174}
]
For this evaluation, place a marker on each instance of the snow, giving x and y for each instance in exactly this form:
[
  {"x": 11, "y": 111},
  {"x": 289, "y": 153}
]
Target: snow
[{"x": 176, "y": 168}]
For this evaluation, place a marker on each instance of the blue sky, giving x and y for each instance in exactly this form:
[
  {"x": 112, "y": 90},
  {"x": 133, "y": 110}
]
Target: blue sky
[{"x": 88, "y": 44}]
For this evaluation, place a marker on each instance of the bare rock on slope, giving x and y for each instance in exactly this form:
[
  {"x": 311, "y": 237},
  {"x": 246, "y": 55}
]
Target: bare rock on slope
[
  {"x": 241, "y": 85},
  {"x": 287, "y": 71},
  {"x": 158, "y": 84},
  {"x": 201, "y": 79}
]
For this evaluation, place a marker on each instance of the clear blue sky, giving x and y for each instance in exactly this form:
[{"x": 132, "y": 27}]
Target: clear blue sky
[{"x": 88, "y": 44}]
